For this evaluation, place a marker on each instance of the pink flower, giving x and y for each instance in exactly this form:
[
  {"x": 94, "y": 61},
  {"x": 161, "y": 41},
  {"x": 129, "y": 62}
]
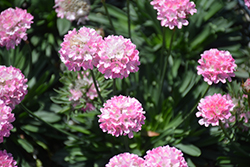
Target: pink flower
[
  {"x": 6, "y": 159},
  {"x": 173, "y": 13},
  {"x": 121, "y": 115},
  {"x": 79, "y": 49},
  {"x": 73, "y": 9},
  {"x": 213, "y": 109},
  {"x": 247, "y": 3},
  {"x": 246, "y": 86},
  {"x": 125, "y": 160},
  {"x": 216, "y": 66},
  {"x": 13, "y": 26},
  {"x": 13, "y": 86},
  {"x": 5, "y": 120},
  {"x": 83, "y": 89},
  {"x": 164, "y": 157},
  {"x": 118, "y": 57}
]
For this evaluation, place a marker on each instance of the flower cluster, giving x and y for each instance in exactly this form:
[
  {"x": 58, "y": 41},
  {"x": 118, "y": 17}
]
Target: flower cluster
[
  {"x": 83, "y": 89},
  {"x": 246, "y": 86},
  {"x": 6, "y": 117},
  {"x": 165, "y": 156},
  {"x": 126, "y": 160},
  {"x": 247, "y": 3},
  {"x": 121, "y": 115},
  {"x": 79, "y": 49},
  {"x": 173, "y": 13},
  {"x": 213, "y": 109},
  {"x": 13, "y": 86},
  {"x": 216, "y": 66},
  {"x": 73, "y": 9},
  {"x": 6, "y": 159},
  {"x": 13, "y": 26},
  {"x": 118, "y": 57}
]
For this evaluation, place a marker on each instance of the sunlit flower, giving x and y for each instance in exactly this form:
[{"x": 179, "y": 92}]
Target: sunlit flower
[
  {"x": 6, "y": 159},
  {"x": 121, "y": 115},
  {"x": 118, "y": 57},
  {"x": 13, "y": 26},
  {"x": 13, "y": 86},
  {"x": 216, "y": 66},
  {"x": 213, "y": 109},
  {"x": 83, "y": 89},
  {"x": 164, "y": 157},
  {"x": 173, "y": 13},
  {"x": 79, "y": 49},
  {"x": 6, "y": 117},
  {"x": 73, "y": 9},
  {"x": 126, "y": 160}
]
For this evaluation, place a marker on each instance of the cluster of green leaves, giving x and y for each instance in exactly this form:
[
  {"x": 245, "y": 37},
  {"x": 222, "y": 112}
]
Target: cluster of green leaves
[{"x": 76, "y": 139}]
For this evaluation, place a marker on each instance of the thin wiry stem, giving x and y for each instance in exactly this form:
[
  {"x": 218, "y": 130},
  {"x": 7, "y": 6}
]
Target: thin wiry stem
[{"x": 107, "y": 12}]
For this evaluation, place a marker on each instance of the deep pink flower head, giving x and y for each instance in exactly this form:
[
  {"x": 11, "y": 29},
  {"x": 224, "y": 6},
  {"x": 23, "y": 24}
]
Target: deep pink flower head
[
  {"x": 73, "y": 9},
  {"x": 126, "y": 160},
  {"x": 6, "y": 159},
  {"x": 13, "y": 26},
  {"x": 246, "y": 86},
  {"x": 213, "y": 109},
  {"x": 247, "y": 3},
  {"x": 13, "y": 86},
  {"x": 118, "y": 57},
  {"x": 164, "y": 157},
  {"x": 173, "y": 13},
  {"x": 121, "y": 115},
  {"x": 83, "y": 88},
  {"x": 79, "y": 49},
  {"x": 6, "y": 117},
  {"x": 216, "y": 66}
]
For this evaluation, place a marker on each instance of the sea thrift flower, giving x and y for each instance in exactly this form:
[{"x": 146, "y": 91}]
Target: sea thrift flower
[
  {"x": 246, "y": 86},
  {"x": 213, "y": 109},
  {"x": 247, "y": 3},
  {"x": 6, "y": 159},
  {"x": 216, "y": 66},
  {"x": 83, "y": 89},
  {"x": 73, "y": 9},
  {"x": 164, "y": 157},
  {"x": 173, "y": 13},
  {"x": 6, "y": 117},
  {"x": 121, "y": 115},
  {"x": 13, "y": 86},
  {"x": 118, "y": 57},
  {"x": 13, "y": 26},
  {"x": 79, "y": 49},
  {"x": 125, "y": 160}
]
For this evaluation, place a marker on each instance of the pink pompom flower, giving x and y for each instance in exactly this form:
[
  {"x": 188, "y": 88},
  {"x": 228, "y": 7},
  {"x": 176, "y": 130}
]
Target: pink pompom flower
[
  {"x": 13, "y": 86},
  {"x": 164, "y": 156},
  {"x": 173, "y": 13},
  {"x": 13, "y": 26},
  {"x": 216, "y": 66},
  {"x": 6, "y": 159},
  {"x": 213, "y": 109},
  {"x": 246, "y": 86},
  {"x": 6, "y": 117},
  {"x": 121, "y": 115},
  {"x": 118, "y": 57},
  {"x": 126, "y": 160},
  {"x": 83, "y": 89},
  {"x": 73, "y": 9},
  {"x": 247, "y": 3},
  {"x": 79, "y": 49}
]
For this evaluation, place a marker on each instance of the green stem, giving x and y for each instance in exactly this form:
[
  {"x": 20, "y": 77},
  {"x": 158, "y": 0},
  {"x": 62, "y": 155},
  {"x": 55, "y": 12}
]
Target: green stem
[
  {"x": 165, "y": 65},
  {"x": 231, "y": 141},
  {"x": 48, "y": 124},
  {"x": 94, "y": 80},
  {"x": 195, "y": 106},
  {"x": 128, "y": 13},
  {"x": 107, "y": 12},
  {"x": 126, "y": 143},
  {"x": 114, "y": 87}
]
